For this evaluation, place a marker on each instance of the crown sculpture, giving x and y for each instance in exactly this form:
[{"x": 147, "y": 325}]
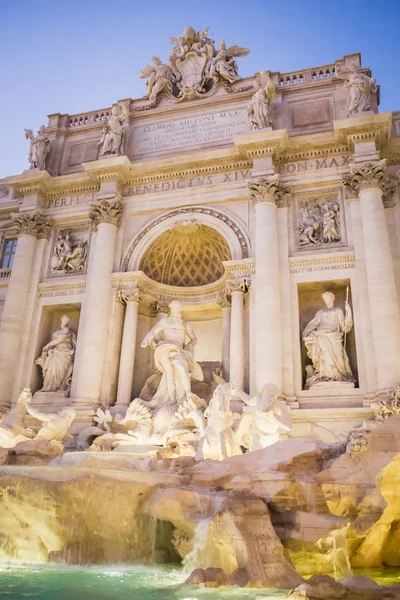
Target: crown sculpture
[{"x": 194, "y": 67}]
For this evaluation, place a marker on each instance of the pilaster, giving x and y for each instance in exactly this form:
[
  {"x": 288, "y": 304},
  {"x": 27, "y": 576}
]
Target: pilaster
[{"x": 30, "y": 227}]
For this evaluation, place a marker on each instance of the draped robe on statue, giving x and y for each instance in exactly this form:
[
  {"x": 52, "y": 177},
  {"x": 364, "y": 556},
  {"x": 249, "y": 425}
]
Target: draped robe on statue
[
  {"x": 323, "y": 338},
  {"x": 174, "y": 359},
  {"x": 57, "y": 361}
]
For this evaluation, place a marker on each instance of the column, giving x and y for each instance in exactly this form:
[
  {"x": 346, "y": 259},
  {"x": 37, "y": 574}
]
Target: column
[
  {"x": 237, "y": 343},
  {"x": 268, "y": 194},
  {"x": 106, "y": 216},
  {"x": 30, "y": 227},
  {"x": 127, "y": 360},
  {"x": 370, "y": 182},
  {"x": 224, "y": 303}
]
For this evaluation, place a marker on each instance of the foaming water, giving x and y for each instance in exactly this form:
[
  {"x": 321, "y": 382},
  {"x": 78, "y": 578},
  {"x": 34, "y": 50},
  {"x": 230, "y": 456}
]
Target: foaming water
[{"x": 112, "y": 583}]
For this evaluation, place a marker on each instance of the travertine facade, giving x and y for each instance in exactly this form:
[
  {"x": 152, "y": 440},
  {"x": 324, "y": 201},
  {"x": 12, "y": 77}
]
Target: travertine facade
[{"x": 243, "y": 199}]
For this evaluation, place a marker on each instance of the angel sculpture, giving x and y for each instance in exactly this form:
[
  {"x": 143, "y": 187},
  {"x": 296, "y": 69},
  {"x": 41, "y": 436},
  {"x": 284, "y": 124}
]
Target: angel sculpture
[
  {"x": 224, "y": 65},
  {"x": 158, "y": 78},
  {"x": 112, "y": 136},
  {"x": 39, "y": 148},
  {"x": 259, "y": 107}
]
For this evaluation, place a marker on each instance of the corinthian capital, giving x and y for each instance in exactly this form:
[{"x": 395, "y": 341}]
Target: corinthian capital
[
  {"x": 128, "y": 295},
  {"x": 105, "y": 211},
  {"x": 369, "y": 174},
  {"x": 32, "y": 223},
  {"x": 269, "y": 190}
]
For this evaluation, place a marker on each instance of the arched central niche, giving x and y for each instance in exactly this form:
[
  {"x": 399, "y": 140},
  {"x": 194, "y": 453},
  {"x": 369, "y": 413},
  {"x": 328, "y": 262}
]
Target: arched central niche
[{"x": 189, "y": 254}]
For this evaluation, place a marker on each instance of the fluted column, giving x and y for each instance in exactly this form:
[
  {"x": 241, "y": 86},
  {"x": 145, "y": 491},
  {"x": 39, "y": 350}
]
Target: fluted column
[
  {"x": 370, "y": 181},
  {"x": 225, "y": 304},
  {"x": 237, "y": 342},
  {"x": 30, "y": 227},
  {"x": 106, "y": 215},
  {"x": 127, "y": 360},
  {"x": 268, "y": 194}
]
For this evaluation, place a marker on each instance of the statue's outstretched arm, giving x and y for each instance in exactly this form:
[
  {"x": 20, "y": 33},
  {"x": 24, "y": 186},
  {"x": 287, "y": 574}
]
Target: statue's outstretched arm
[
  {"x": 312, "y": 325},
  {"x": 58, "y": 340},
  {"x": 149, "y": 339}
]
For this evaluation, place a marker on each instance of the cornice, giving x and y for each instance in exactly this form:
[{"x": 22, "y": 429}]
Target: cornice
[
  {"x": 115, "y": 168},
  {"x": 29, "y": 182},
  {"x": 376, "y": 127},
  {"x": 204, "y": 294},
  {"x": 267, "y": 142}
]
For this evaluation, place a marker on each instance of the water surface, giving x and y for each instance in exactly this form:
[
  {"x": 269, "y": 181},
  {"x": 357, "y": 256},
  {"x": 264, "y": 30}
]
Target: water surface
[{"x": 112, "y": 583}]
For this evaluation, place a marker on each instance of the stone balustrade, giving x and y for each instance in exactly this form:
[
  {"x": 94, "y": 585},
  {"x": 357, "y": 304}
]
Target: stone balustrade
[
  {"x": 5, "y": 274},
  {"x": 92, "y": 118},
  {"x": 307, "y": 76}
]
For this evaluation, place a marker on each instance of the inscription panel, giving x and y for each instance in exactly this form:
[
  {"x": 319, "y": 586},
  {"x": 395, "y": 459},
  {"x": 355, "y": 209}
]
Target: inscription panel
[{"x": 196, "y": 131}]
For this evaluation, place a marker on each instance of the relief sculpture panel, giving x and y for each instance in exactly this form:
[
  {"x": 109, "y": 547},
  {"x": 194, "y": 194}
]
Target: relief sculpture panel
[
  {"x": 319, "y": 223},
  {"x": 69, "y": 251}
]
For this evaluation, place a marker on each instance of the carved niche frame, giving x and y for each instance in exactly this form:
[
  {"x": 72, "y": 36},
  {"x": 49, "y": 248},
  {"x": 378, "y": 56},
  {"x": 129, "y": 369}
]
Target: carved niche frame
[
  {"x": 333, "y": 194},
  {"x": 82, "y": 230}
]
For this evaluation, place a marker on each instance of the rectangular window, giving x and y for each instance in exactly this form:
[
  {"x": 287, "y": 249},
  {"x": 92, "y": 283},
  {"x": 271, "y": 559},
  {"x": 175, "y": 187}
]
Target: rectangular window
[{"x": 7, "y": 258}]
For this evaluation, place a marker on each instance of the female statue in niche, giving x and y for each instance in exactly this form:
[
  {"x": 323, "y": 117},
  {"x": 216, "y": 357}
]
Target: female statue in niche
[
  {"x": 323, "y": 338},
  {"x": 57, "y": 359}
]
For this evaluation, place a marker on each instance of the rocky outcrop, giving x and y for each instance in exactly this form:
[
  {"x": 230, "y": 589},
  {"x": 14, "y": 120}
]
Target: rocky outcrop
[
  {"x": 244, "y": 538},
  {"x": 323, "y": 587},
  {"x": 297, "y": 505}
]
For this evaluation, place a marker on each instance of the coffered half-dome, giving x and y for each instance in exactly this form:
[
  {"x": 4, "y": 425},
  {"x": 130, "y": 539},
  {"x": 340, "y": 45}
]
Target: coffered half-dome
[{"x": 187, "y": 255}]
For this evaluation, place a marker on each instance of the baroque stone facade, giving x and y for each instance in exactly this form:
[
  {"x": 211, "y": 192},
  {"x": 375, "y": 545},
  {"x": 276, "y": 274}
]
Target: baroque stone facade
[{"x": 244, "y": 200}]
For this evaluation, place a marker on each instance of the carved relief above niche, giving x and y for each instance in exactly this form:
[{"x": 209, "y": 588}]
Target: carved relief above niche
[
  {"x": 69, "y": 251},
  {"x": 319, "y": 221}
]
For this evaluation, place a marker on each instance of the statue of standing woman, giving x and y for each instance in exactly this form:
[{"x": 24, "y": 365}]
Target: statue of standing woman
[
  {"x": 359, "y": 89},
  {"x": 112, "y": 136},
  {"x": 39, "y": 148},
  {"x": 323, "y": 338},
  {"x": 57, "y": 359},
  {"x": 259, "y": 107}
]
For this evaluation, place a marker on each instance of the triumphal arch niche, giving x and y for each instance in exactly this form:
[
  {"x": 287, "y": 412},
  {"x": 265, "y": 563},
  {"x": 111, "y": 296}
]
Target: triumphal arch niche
[{"x": 220, "y": 230}]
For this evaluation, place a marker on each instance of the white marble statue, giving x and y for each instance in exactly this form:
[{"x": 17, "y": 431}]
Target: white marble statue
[
  {"x": 330, "y": 223},
  {"x": 187, "y": 425},
  {"x": 112, "y": 135},
  {"x": 38, "y": 149},
  {"x": 55, "y": 425},
  {"x": 57, "y": 359},
  {"x": 323, "y": 338},
  {"x": 224, "y": 65},
  {"x": 259, "y": 107},
  {"x": 264, "y": 418},
  {"x": 359, "y": 89},
  {"x": 12, "y": 426},
  {"x": 75, "y": 261},
  {"x": 158, "y": 78},
  {"x": 62, "y": 248},
  {"x": 217, "y": 441},
  {"x": 190, "y": 61},
  {"x": 173, "y": 357}
]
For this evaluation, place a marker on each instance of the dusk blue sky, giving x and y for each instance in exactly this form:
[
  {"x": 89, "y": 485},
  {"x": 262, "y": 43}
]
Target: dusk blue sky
[{"x": 76, "y": 56}]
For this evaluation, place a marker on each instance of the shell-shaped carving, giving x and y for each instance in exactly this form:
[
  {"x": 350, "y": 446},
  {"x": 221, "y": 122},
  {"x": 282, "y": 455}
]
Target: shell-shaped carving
[{"x": 138, "y": 420}]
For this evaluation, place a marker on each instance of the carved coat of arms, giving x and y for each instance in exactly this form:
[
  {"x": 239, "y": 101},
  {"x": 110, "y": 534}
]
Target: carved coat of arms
[{"x": 194, "y": 66}]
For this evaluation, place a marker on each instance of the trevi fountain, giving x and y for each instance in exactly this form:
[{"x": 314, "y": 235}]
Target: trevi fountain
[{"x": 200, "y": 339}]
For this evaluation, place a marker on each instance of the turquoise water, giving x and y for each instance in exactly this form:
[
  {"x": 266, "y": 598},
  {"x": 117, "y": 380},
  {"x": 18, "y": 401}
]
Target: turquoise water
[{"x": 112, "y": 583}]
